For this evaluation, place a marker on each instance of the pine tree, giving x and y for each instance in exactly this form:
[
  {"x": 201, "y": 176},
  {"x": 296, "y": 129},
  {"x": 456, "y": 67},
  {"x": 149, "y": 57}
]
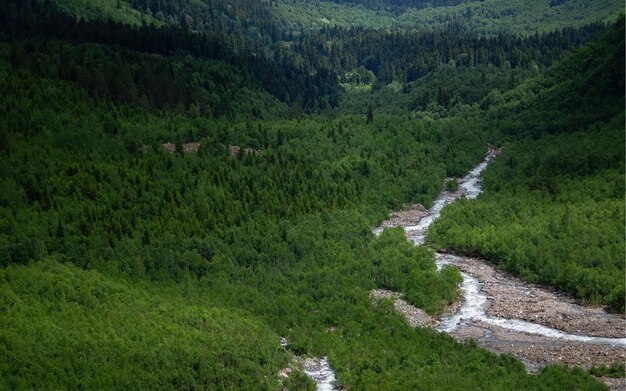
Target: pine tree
[{"x": 370, "y": 114}]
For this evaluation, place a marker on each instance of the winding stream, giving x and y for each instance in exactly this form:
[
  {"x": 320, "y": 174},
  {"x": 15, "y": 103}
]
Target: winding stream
[
  {"x": 476, "y": 304},
  {"x": 474, "y": 309}
]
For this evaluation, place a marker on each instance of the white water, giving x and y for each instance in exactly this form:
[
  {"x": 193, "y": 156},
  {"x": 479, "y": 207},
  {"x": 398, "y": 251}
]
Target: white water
[
  {"x": 318, "y": 369},
  {"x": 476, "y": 304},
  {"x": 475, "y": 308},
  {"x": 321, "y": 373}
]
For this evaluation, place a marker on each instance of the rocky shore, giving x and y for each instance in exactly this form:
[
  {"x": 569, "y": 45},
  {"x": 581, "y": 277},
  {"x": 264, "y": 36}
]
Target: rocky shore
[
  {"x": 537, "y": 351},
  {"x": 407, "y": 217},
  {"x": 511, "y": 298}
]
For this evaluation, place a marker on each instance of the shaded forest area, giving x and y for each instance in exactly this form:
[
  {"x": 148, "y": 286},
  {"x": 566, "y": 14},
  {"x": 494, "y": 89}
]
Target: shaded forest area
[{"x": 304, "y": 70}]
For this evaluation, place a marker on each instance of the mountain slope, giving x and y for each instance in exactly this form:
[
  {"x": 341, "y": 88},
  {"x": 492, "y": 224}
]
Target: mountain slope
[{"x": 487, "y": 17}]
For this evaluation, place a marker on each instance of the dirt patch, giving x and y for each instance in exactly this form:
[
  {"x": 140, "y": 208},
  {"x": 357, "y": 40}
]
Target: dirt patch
[
  {"x": 187, "y": 147},
  {"x": 414, "y": 316},
  {"x": 235, "y": 150}
]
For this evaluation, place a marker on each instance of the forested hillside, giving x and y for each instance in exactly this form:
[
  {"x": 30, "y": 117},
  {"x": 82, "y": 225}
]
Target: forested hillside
[
  {"x": 486, "y": 17},
  {"x": 270, "y": 20},
  {"x": 553, "y": 210},
  {"x": 185, "y": 182}
]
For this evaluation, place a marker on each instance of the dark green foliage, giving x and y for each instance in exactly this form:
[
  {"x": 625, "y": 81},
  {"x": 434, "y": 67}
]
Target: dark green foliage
[
  {"x": 279, "y": 73},
  {"x": 615, "y": 370},
  {"x": 401, "y": 4},
  {"x": 585, "y": 89},
  {"x": 126, "y": 265},
  {"x": 406, "y": 56},
  {"x": 147, "y": 81},
  {"x": 370, "y": 114},
  {"x": 305, "y": 70}
]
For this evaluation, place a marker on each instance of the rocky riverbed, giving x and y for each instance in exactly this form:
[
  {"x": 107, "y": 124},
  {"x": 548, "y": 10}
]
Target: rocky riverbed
[
  {"x": 511, "y": 298},
  {"x": 534, "y": 350},
  {"x": 406, "y": 217},
  {"x": 537, "y": 351}
]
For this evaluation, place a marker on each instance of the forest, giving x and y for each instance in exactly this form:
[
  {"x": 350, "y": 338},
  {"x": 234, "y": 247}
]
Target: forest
[{"x": 129, "y": 264}]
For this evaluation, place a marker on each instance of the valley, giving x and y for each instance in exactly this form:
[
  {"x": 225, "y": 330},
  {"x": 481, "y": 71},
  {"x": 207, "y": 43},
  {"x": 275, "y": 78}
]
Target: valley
[{"x": 301, "y": 195}]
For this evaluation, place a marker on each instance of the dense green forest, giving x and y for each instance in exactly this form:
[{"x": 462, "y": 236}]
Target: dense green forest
[
  {"x": 273, "y": 19},
  {"x": 303, "y": 70},
  {"x": 486, "y": 17},
  {"x": 128, "y": 264}
]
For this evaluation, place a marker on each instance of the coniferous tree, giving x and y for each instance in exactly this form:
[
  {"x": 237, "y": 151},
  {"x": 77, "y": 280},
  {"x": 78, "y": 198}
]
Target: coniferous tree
[{"x": 370, "y": 114}]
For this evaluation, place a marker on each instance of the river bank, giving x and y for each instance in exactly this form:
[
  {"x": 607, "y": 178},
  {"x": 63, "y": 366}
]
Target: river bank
[{"x": 511, "y": 298}]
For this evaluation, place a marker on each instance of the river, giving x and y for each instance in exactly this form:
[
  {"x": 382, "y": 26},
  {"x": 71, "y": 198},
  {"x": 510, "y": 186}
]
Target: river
[
  {"x": 543, "y": 327},
  {"x": 476, "y": 303}
]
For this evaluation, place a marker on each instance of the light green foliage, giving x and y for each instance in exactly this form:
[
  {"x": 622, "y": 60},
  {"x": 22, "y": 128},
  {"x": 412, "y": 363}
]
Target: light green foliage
[
  {"x": 484, "y": 17},
  {"x": 359, "y": 79},
  {"x": 519, "y": 16},
  {"x": 66, "y": 328},
  {"x": 316, "y": 14},
  {"x": 404, "y": 269},
  {"x": 444, "y": 92},
  {"x": 118, "y": 10}
]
